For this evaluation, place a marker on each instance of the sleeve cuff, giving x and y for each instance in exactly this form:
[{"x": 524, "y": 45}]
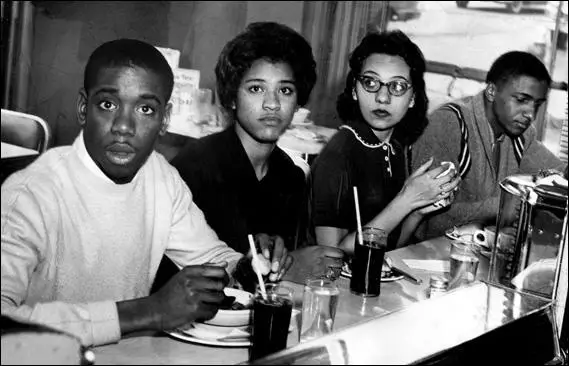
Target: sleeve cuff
[{"x": 105, "y": 322}]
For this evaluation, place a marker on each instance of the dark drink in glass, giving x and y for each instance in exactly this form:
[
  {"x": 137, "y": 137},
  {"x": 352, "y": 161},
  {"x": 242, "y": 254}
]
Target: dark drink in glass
[
  {"x": 271, "y": 321},
  {"x": 367, "y": 262}
]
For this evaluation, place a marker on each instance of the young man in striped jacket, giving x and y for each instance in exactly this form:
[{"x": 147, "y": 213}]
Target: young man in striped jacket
[{"x": 488, "y": 136}]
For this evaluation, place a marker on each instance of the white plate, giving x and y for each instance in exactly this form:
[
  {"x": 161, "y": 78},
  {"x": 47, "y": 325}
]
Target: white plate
[
  {"x": 184, "y": 336},
  {"x": 346, "y": 272},
  {"x": 209, "y": 342}
]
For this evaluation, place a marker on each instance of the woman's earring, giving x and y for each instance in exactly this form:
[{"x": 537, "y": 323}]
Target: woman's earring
[
  {"x": 412, "y": 103},
  {"x": 354, "y": 95}
]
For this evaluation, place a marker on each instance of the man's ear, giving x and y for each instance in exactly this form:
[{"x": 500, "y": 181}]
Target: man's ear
[
  {"x": 166, "y": 119},
  {"x": 82, "y": 107},
  {"x": 490, "y": 92}
]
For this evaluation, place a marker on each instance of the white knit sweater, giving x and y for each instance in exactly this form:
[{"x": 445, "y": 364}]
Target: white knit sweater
[{"x": 74, "y": 242}]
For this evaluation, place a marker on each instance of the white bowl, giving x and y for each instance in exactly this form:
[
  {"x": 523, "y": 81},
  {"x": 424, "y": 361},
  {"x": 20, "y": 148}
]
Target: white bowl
[{"x": 234, "y": 318}]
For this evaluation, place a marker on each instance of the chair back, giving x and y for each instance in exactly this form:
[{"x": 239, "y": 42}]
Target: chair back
[{"x": 25, "y": 130}]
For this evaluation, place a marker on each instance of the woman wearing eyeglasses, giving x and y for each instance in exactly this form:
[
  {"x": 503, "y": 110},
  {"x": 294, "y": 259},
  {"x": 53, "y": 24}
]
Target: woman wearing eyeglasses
[{"x": 383, "y": 107}]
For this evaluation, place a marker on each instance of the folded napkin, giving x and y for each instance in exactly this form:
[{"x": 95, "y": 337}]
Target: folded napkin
[
  {"x": 552, "y": 177},
  {"x": 432, "y": 265},
  {"x": 204, "y": 331},
  {"x": 538, "y": 276}
]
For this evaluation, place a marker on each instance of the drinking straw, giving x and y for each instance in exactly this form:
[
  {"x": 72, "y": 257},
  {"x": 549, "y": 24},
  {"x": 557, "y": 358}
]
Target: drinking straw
[
  {"x": 358, "y": 218},
  {"x": 256, "y": 268}
]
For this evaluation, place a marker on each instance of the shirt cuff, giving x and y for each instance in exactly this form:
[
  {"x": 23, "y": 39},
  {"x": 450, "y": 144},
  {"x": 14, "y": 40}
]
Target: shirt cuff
[
  {"x": 234, "y": 262},
  {"x": 105, "y": 322}
]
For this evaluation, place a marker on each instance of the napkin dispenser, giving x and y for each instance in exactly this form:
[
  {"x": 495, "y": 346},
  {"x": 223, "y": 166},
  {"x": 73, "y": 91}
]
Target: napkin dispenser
[
  {"x": 476, "y": 324},
  {"x": 529, "y": 233}
]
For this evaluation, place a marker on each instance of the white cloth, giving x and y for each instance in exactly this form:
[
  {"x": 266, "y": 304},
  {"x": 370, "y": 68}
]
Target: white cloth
[{"x": 74, "y": 242}]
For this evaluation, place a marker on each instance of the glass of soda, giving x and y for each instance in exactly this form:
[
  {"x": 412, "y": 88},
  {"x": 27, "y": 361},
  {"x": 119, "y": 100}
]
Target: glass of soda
[
  {"x": 271, "y": 320},
  {"x": 368, "y": 261}
]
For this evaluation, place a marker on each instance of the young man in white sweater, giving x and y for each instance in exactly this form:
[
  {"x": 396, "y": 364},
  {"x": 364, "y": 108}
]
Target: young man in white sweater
[{"x": 84, "y": 227}]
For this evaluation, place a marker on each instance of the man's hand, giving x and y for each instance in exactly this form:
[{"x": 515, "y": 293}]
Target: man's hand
[
  {"x": 276, "y": 259},
  {"x": 315, "y": 261},
  {"x": 194, "y": 293}
]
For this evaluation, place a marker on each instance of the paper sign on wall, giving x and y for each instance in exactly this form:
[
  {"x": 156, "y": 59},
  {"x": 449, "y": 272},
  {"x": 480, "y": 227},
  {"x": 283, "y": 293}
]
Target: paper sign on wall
[
  {"x": 171, "y": 55},
  {"x": 185, "y": 111}
]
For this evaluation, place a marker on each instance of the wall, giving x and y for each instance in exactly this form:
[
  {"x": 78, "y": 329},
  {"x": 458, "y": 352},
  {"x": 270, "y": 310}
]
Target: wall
[
  {"x": 66, "y": 32},
  {"x": 286, "y": 12},
  {"x": 210, "y": 26}
]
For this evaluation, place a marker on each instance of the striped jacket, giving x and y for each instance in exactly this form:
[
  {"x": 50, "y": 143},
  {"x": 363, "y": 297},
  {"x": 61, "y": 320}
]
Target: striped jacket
[{"x": 470, "y": 148}]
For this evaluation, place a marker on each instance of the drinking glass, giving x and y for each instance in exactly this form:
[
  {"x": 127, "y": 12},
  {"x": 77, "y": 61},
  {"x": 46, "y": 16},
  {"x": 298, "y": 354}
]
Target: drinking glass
[
  {"x": 271, "y": 320},
  {"x": 318, "y": 308},
  {"x": 464, "y": 259},
  {"x": 368, "y": 261}
]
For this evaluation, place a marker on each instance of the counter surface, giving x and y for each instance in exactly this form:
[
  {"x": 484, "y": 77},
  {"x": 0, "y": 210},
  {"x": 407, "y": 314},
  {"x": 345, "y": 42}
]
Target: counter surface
[{"x": 159, "y": 348}]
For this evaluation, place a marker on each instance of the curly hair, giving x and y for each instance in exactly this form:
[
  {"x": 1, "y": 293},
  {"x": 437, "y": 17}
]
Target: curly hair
[
  {"x": 129, "y": 53},
  {"x": 270, "y": 41},
  {"x": 394, "y": 43},
  {"x": 517, "y": 63}
]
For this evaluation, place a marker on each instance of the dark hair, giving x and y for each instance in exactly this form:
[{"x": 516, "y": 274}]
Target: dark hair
[
  {"x": 394, "y": 43},
  {"x": 129, "y": 53},
  {"x": 264, "y": 40},
  {"x": 517, "y": 63}
]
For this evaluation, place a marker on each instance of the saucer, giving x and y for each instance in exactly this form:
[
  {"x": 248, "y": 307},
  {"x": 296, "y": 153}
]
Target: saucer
[{"x": 347, "y": 273}]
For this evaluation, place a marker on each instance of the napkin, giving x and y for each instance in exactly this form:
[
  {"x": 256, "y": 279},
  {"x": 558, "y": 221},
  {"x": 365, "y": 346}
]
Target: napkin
[
  {"x": 204, "y": 331},
  {"x": 538, "y": 276},
  {"x": 450, "y": 166},
  {"x": 433, "y": 265}
]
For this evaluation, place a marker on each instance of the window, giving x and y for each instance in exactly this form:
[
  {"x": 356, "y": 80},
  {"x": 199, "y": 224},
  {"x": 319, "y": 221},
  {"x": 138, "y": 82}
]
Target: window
[{"x": 463, "y": 38}]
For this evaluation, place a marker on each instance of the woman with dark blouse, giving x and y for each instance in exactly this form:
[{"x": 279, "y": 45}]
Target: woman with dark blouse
[{"x": 383, "y": 106}]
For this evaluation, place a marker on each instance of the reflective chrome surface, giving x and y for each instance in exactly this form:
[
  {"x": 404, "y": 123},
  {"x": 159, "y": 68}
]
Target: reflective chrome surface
[
  {"x": 529, "y": 229},
  {"x": 425, "y": 329}
]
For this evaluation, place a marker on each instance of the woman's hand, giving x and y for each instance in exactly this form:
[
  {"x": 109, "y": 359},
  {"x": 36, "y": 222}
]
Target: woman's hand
[
  {"x": 423, "y": 188},
  {"x": 275, "y": 260}
]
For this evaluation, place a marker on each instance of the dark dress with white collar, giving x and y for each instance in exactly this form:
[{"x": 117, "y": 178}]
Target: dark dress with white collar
[{"x": 356, "y": 157}]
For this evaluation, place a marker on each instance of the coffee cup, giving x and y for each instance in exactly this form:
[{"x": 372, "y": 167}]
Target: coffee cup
[{"x": 485, "y": 237}]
